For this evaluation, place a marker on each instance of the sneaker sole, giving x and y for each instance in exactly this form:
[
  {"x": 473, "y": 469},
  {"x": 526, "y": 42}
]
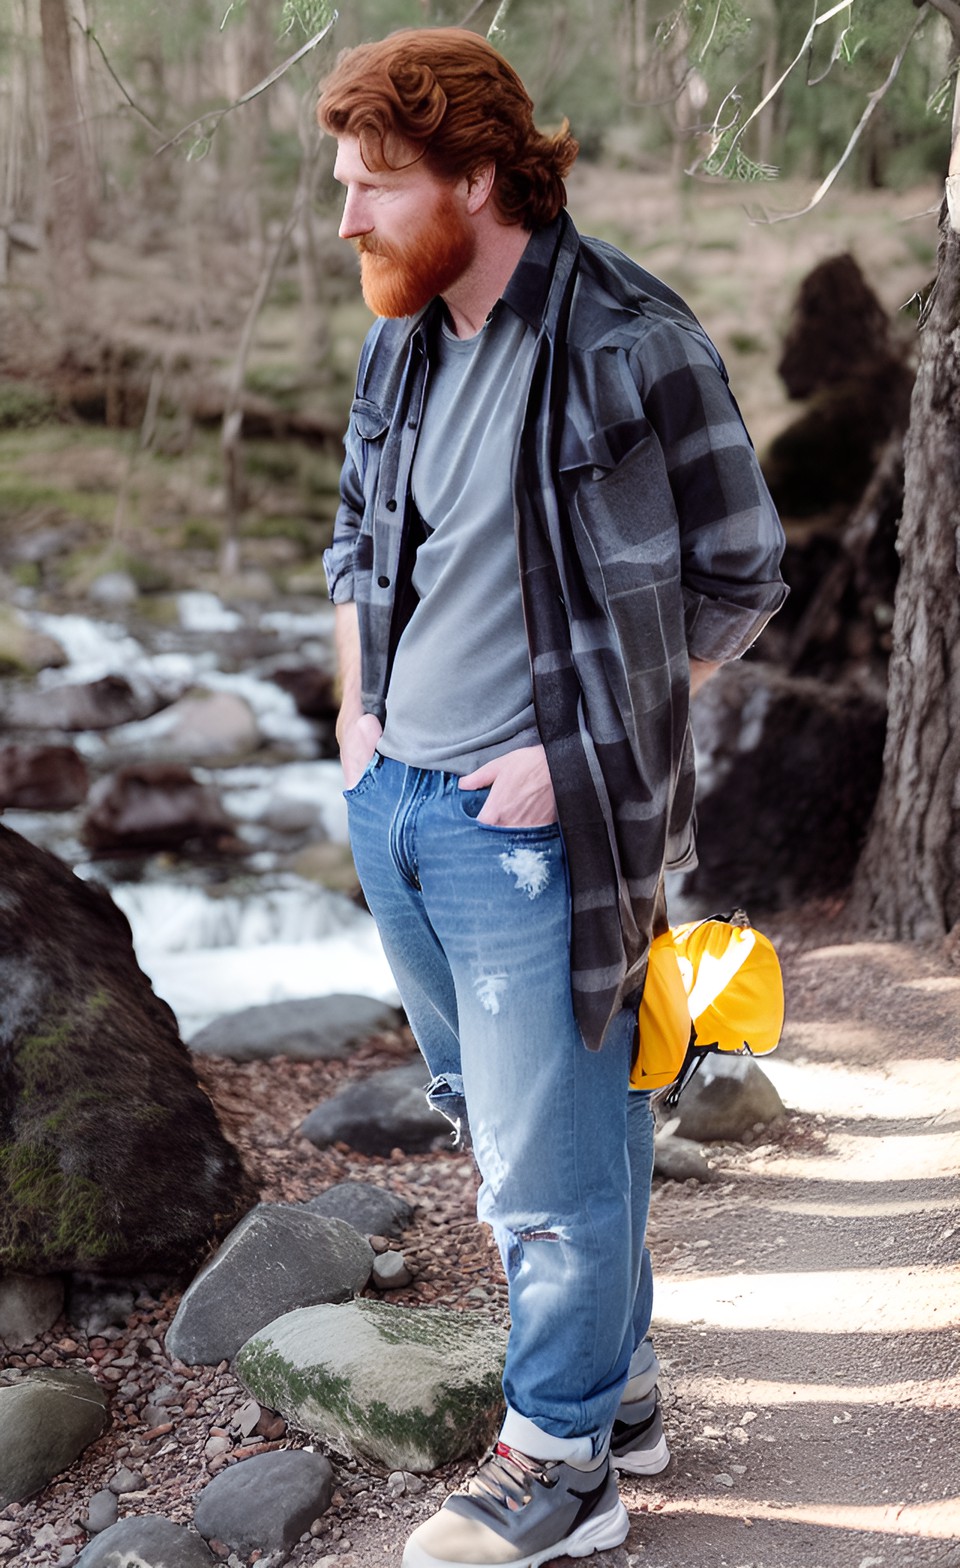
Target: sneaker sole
[
  {"x": 599, "y": 1533},
  {"x": 643, "y": 1461}
]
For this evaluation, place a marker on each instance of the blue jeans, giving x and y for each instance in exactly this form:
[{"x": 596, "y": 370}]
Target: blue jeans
[{"x": 475, "y": 924}]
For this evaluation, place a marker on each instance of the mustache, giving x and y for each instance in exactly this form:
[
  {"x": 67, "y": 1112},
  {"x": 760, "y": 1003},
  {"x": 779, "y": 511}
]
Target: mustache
[{"x": 366, "y": 245}]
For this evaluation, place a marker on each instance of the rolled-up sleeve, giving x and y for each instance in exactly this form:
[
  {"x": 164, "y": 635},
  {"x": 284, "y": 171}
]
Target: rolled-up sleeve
[{"x": 731, "y": 539}]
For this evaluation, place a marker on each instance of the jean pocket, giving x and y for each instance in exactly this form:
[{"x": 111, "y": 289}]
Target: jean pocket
[
  {"x": 472, "y": 802},
  {"x": 365, "y": 780}
]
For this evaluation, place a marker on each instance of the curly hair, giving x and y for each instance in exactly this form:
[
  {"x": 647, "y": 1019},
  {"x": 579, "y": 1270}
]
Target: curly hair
[{"x": 449, "y": 96}]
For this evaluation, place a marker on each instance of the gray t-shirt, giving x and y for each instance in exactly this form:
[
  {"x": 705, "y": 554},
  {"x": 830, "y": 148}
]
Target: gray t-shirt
[{"x": 460, "y": 690}]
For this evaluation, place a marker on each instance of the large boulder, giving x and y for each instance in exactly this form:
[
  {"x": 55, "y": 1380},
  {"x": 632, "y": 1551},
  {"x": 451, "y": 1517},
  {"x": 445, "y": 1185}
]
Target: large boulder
[
  {"x": 47, "y": 1419},
  {"x": 42, "y": 778},
  {"x": 279, "y": 1257},
  {"x": 111, "y": 1157},
  {"x": 303, "y": 1030},
  {"x": 153, "y": 805},
  {"x": 384, "y": 1111},
  {"x": 411, "y": 1388},
  {"x": 788, "y": 772}
]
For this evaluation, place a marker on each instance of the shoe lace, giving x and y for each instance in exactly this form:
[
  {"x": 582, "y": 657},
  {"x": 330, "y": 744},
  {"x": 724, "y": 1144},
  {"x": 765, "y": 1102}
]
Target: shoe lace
[{"x": 506, "y": 1478}]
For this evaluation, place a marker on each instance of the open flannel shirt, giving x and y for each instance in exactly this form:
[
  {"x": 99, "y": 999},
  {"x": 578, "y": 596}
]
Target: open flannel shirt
[{"x": 645, "y": 537}]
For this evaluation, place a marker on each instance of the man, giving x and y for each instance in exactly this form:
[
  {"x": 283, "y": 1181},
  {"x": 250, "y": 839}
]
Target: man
[{"x": 552, "y": 525}]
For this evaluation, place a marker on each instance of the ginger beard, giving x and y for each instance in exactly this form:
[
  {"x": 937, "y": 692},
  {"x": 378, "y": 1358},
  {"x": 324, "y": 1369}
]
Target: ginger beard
[{"x": 400, "y": 278}]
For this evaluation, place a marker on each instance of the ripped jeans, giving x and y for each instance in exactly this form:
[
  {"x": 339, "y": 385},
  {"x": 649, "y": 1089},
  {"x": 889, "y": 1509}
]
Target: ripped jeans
[{"x": 475, "y": 924}]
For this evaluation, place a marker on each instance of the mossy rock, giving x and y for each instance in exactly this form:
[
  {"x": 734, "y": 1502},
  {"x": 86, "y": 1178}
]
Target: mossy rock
[
  {"x": 24, "y": 651},
  {"x": 411, "y": 1388}
]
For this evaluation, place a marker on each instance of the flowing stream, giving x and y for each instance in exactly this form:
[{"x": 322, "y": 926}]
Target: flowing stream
[{"x": 218, "y": 937}]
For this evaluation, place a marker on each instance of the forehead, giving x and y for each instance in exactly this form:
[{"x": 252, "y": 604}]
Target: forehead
[{"x": 350, "y": 166}]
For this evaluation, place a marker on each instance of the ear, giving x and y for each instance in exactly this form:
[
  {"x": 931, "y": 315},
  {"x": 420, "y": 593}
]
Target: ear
[{"x": 480, "y": 187}]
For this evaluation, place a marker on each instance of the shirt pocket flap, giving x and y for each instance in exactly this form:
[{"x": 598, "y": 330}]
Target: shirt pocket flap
[
  {"x": 368, "y": 418},
  {"x": 602, "y": 449}
]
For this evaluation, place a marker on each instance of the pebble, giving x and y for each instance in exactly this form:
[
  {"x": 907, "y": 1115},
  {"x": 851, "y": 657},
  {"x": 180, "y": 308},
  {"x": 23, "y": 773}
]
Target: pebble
[
  {"x": 722, "y": 1479},
  {"x": 102, "y": 1512},
  {"x": 126, "y": 1481}
]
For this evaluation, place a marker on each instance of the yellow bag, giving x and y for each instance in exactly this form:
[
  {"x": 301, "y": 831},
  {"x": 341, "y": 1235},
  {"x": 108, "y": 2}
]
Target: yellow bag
[{"x": 712, "y": 985}]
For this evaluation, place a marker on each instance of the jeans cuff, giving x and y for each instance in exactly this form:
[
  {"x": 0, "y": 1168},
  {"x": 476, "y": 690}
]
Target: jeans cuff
[{"x": 523, "y": 1434}]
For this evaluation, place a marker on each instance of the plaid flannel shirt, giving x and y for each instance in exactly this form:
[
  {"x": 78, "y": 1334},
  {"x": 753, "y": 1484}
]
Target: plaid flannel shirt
[{"x": 645, "y": 537}]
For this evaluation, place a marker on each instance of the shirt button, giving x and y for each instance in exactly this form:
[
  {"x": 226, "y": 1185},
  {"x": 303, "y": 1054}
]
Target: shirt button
[
  {"x": 391, "y": 505},
  {"x": 383, "y": 582}
]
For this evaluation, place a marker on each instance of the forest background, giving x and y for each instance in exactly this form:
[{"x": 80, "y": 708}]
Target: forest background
[{"x": 179, "y": 324}]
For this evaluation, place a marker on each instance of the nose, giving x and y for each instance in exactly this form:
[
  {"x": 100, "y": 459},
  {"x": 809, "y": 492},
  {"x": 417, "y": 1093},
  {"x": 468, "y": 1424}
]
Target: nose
[{"x": 355, "y": 220}]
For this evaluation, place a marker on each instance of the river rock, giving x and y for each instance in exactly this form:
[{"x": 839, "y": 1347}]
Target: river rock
[
  {"x": 24, "y": 651},
  {"x": 266, "y": 1503},
  {"x": 316, "y": 1029},
  {"x": 90, "y": 705},
  {"x": 279, "y": 1257},
  {"x": 206, "y": 726},
  {"x": 150, "y": 806},
  {"x": 114, "y": 1162},
  {"x": 115, "y": 590},
  {"x": 726, "y": 1098},
  {"x": 28, "y": 1307},
  {"x": 373, "y": 1211},
  {"x": 384, "y": 1111},
  {"x": 47, "y": 1419},
  {"x": 788, "y": 772},
  {"x": 42, "y": 778},
  {"x": 408, "y": 1387},
  {"x": 102, "y": 1511},
  {"x": 147, "y": 1541}
]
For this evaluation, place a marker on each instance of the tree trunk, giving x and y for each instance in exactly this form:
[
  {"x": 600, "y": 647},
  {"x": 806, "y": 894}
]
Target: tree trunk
[
  {"x": 70, "y": 209},
  {"x": 908, "y": 880}
]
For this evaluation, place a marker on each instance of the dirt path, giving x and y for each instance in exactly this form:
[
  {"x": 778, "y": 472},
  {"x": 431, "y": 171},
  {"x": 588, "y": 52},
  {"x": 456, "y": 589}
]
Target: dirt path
[{"x": 808, "y": 1306}]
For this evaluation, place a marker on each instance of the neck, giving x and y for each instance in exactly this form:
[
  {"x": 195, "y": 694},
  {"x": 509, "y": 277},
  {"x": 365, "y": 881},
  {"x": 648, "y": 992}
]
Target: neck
[{"x": 470, "y": 300}]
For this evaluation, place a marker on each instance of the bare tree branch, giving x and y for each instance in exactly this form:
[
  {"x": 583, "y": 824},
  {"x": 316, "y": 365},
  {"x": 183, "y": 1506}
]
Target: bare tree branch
[
  {"x": 88, "y": 32},
  {"x": 874, "y": 100},
  {"x": 216, "y": 115},
  {"x": 818, "y": 21}
]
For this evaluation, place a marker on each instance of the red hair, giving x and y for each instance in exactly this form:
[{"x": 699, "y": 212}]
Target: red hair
[{"x": 450, "y": 96}]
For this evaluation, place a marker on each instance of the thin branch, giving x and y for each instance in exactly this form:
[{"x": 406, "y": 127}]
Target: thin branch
[
  {"x": 818, "y": 21},
  {"x": 89, "y": 33},
  {"x": 874, "y": 100},
  {"x": 254, "y": 92}
]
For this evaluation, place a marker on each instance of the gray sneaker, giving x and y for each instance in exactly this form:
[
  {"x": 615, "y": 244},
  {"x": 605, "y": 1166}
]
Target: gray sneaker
[
  {"x": 637, "y": 1443},
  {"x": 518, "y": 1513}
]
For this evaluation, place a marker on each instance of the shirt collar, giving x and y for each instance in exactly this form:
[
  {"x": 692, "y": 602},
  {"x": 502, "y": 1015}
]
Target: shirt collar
[{"x": 526, "y": 293}]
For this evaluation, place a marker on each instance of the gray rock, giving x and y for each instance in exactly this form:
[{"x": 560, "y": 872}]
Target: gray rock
[
  {"x": 319, "y": 1028},
  {"x": 266, "y": 1502},
  {"x": 28, "y": 1307},
  {"x": 102, "y": 1512},
  {"x": 411, "y": 1388},
  {"x": 384, "y": 1111},
  {"x": 373, "y": 1211},
  {"x": 390, "y": 1271},
  {"x": 278, "y": 1258},
  {"x": 47, "y": 1419},
  {"x": 679, "y": 1159},
  {"x": 203, "y": 726},
  {"x": 725, "y": 1099},
  {"x": 148, "y": 1541},
  {"x": 114, "y": 1162}
]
